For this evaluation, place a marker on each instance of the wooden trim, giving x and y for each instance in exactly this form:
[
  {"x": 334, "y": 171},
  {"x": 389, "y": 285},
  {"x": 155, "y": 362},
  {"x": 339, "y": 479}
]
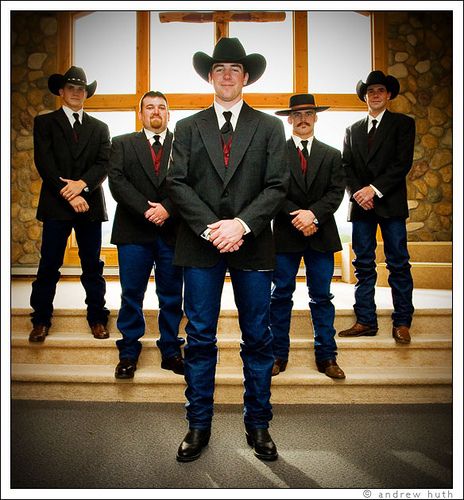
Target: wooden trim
[
  {"x": 300, "y": 52},
  {"x": 64, "y": 52},
  {"x": 123, "y": 102},
  {"x": 116, "y": 102},
  {"x": 221, "y": 30},
  {"x": 379, "y": 41},
  {"x": 143, "y": 61}
]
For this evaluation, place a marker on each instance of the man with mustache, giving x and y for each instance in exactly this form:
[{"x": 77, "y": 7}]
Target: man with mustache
[
  {"x": 144, "y": 231},
  {"x": 305, "y": 228}
]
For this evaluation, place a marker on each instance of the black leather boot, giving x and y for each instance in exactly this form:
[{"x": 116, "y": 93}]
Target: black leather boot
[{"x": 193, "y": 443}]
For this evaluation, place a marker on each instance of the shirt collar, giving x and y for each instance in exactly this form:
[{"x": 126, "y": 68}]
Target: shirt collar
[
  {"x": 235, "y": 109},
  {"x": 297, "y": 140},
  {"x": 378, "y": 118},
  {"x": 69, "y": 113},
  {"x": 150, "y": 134}
]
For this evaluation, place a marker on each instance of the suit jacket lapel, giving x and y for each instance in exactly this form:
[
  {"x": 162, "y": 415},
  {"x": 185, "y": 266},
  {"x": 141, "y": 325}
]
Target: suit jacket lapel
[
  {"x": 314, "y": 162},
  {"x": 209, "y": 131},
  {"x": 84, "y": 134},
  {"x": 380, "y": 133},
  {"x": 246, "y": 125},
  {"x": 166, "y": 156},
  {"x": 63, "y": 122},
  {"x": 295, "y": 165},
  {"x": 142, "y": 149},
  {"x": 361, "y": 138}
]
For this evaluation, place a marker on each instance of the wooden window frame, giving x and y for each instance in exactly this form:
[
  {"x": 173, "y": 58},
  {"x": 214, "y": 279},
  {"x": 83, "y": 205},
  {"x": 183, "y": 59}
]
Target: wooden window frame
[{"x": 129, "y": 102}]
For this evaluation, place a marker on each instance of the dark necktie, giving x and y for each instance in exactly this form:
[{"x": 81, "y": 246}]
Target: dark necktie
[
  {"x": 305, "y": 157},
  {"x": 227, "y": 132},
  {"x": 76, "y": 127},
  {"x": 157, "y": 152},
  {"x": 156, "y": 144},
  {"x": 371, "y": 134}
]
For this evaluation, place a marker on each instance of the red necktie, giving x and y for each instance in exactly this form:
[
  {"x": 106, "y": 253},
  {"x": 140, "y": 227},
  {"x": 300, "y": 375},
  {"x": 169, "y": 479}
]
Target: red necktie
[
  {"x": 226, "y": 133},
  {"x": 304, "y": 156},
  {"x": 156, "y": 153}
]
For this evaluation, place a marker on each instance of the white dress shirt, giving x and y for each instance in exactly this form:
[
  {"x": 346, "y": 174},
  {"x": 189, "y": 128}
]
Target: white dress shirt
[
  {"x": 69, "y": 114},
  {"x": 151, "y": 136}
]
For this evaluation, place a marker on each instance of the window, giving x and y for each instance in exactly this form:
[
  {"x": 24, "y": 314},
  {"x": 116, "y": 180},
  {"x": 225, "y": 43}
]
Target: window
[{"x": 155, "y": 55}]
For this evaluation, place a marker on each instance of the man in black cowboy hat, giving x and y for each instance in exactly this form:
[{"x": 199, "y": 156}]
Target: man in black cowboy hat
[
  {"x": 377, "y": 156},
  {"x": 71, "y": 151},
  {"x": 305, "y": 228},
  {"x": 228, "y": 181}
]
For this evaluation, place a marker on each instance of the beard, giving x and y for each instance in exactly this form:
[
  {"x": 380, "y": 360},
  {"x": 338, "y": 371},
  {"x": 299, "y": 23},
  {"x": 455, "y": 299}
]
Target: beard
[{"x": 156, "y": 122}]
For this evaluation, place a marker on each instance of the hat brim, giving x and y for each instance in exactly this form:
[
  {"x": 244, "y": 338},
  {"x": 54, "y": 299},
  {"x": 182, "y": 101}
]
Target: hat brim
[
  {"x": 254, "y": 65},
  {"x": 57, "y": 82},
  {"x": 287, "y": 112},
  {"x": 391, "y": 84}
]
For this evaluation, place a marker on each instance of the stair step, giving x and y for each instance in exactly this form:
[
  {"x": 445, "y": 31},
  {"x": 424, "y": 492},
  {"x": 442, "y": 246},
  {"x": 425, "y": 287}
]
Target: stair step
[
  {"x": 431, "y": 265},
  {"x": 425, "y": 322},
  {"x": 82, "y": 349},
  {"x": 438, "y": 275},
  {"x": 296, "y": 385}
]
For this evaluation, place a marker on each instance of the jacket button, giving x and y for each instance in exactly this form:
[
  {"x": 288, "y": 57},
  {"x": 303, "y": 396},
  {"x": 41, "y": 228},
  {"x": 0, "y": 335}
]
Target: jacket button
[{"x": 226, "y": 194}]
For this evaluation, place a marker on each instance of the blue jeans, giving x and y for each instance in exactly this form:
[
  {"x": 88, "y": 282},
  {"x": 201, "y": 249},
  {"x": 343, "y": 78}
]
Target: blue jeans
[
  {"x": 55, "y": 235},
  {"x": 319, "y": 272},
  {"x": 397, "y": 259},
  {"x": 203, "y": 289},
  {"x": 135, "y": 265}
]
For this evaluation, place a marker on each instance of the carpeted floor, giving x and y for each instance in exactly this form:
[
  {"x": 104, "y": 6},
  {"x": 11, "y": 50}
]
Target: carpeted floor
[{"x": 56, "y": 444}]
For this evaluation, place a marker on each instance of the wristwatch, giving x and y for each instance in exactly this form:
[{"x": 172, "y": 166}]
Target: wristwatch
[{"x": 315, "y": 222}]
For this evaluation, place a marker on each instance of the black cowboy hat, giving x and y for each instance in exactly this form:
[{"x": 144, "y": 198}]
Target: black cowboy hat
[
  {"x": 378, "y": 78},
  {"x": 230, "y": 50},
  {"x": 74, "y": 75},
  {"x": 300, "y": 102}
]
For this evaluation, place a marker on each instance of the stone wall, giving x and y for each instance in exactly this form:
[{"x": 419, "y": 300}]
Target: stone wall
[
  {"x": 33, "y": 59},
  {"x": 420, "y": 56}
]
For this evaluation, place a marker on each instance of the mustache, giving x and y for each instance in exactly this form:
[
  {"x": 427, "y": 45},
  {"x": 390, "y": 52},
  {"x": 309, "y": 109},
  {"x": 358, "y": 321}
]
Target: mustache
[{"x": 302, "y": 123}]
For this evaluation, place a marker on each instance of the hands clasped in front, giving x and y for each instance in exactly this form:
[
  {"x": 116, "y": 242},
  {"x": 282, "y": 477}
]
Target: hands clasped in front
[
  {"x": 303, "y": 220},
  {"x": 71, "y": 193},
  {"x": 156, "y": 213},
  {"x": 365, "y": 197},
  {"x": 226, "y": 235}
]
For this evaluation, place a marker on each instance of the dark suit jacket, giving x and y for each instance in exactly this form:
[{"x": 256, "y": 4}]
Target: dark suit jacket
[
  {"x": 133, "y": 183},
  {"x": 322, "y": 193},
  {"x": 252, "y": 187},
  {"x": 57, "y": 155},
  {"x": 385, "y": 166}
]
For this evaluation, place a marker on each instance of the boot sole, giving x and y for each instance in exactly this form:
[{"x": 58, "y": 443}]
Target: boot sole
[
  {"x": 191, "y": 458},
  {"x": 367, "y": 333}
]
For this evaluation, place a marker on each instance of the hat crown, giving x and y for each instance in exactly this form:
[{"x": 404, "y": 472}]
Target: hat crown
[
  {"x": 301, "y": 99},
  {"x": 376, "y": 77},
  {"x": 229, "y": 49},
  {"x": 75, "y": 75}
]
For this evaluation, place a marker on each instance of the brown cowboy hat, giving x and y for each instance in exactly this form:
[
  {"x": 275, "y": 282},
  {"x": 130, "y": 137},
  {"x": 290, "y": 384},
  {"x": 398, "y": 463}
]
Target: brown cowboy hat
[
  {"x": 300, "y": 102},
  {"x": 230, "y": 50},
  {"x": 74, "y": 75},
  {"x": 378, "y": 78}
]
